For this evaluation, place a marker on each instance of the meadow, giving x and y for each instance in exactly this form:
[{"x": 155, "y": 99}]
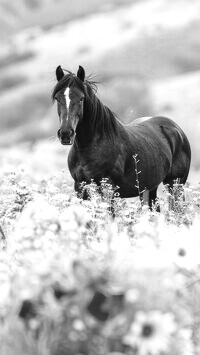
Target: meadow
[{"x": 75, "y": 281}]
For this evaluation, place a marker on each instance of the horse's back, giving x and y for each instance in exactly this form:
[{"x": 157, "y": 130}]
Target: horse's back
[
  {"x": 166, "y": 128},
  {"x": 156, "y": 121}
]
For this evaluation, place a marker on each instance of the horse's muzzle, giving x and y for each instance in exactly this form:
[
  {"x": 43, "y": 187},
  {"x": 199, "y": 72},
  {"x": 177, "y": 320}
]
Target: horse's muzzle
[{"x": 66, "y": 138}]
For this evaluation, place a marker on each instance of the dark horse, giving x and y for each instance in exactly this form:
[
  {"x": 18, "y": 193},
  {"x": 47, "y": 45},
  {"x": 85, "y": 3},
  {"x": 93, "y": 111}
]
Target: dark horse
[{"x": 103, "y": 147}]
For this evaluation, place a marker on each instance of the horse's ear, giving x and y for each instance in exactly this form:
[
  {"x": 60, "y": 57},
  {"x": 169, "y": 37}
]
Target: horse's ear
[
  {"x": 59, "y": 73},
  {"x": 81, "y": 73}
]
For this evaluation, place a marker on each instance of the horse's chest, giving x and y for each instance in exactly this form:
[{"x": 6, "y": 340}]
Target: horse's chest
[{"x": 95, "y": 165}]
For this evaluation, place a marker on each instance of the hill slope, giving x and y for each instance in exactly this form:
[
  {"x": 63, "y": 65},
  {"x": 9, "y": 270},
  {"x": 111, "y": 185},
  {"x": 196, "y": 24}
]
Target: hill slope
[{"x": 146, "y": 56}]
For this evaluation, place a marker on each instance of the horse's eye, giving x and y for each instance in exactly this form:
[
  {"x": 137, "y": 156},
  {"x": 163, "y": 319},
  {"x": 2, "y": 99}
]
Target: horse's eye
[{"x": 81, "y": 99}]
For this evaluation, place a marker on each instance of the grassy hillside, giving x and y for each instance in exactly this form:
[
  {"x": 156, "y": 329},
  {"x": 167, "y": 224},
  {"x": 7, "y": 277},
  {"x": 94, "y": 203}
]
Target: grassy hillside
[
  {"x": 134, "y": 63},
  {"x": 22, "y": 14}
]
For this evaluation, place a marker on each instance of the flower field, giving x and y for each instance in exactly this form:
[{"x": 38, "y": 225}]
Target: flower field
[{"x": 74, "y": 281}]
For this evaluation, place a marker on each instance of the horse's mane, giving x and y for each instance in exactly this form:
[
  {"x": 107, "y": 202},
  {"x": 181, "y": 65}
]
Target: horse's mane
[{"x": 102, "y": 118}]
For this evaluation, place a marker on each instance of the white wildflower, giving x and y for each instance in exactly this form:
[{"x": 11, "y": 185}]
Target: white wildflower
[
  {"x": 182, "y": 247},
  {"x": 74, "y": 217},
  {"x": 38, "y": 210},
  {"x": 150, "y": 332}
]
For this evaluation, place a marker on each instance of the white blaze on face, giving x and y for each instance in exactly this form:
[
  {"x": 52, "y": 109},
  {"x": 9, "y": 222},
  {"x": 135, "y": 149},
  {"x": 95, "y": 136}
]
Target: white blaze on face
[{"x": 67, "y": 98}]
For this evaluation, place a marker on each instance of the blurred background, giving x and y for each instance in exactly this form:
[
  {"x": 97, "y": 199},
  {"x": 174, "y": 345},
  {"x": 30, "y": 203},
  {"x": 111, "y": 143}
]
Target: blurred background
[{"x": 145, "y": 54}]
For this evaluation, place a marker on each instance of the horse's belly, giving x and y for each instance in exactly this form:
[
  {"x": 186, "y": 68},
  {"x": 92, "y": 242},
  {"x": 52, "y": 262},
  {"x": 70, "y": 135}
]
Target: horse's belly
[{"x": 128, "y": 191}]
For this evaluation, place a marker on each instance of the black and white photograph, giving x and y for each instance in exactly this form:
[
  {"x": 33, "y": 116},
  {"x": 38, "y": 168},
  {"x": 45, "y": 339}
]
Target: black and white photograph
[{"x": 100, "y": 177}]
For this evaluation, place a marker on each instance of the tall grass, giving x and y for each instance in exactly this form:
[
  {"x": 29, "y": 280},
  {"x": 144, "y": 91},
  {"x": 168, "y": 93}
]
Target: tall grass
[{"x": 75, "y": 281}]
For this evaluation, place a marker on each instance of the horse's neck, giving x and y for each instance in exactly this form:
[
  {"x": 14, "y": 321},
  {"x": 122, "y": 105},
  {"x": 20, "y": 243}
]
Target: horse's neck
[{"x": 97, "y": 122}]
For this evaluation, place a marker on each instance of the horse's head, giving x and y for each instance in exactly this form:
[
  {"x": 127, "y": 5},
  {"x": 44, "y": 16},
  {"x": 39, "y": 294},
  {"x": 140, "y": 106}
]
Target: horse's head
[{"x": 69, "y": 94}]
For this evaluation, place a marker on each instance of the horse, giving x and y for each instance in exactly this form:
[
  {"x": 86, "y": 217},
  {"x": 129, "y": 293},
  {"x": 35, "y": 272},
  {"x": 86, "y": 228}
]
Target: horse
[{"x": 135, "y": 157}]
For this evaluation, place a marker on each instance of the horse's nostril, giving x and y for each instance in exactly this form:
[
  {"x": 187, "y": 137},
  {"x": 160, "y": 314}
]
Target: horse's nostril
[
  {"x": 69, "y": 133},
  {"x": 65, "y": 136}
]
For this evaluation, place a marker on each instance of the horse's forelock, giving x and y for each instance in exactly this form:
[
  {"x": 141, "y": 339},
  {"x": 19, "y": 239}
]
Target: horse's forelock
[{"x": 88, "y": 86}]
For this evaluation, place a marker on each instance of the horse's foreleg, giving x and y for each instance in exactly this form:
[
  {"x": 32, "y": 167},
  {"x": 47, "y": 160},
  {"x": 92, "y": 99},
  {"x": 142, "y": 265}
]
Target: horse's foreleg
[
  {"x": 149, "y": 198},
  {"x": 82, "y": 193},
  {"x": 80, "y": 190},
  {"x": 112, "y": 207},
  {"x": 153, "y": 200}
]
